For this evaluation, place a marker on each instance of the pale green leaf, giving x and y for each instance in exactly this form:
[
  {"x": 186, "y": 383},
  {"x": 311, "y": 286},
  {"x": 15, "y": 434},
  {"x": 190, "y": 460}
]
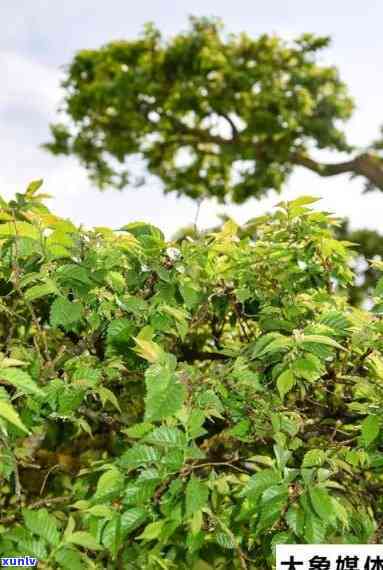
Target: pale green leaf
[
  {"x": 197, "y": 494},
  {"x": 370, "y": 429},
  {"x": 64, "y": 312},
  {"x": 285, "y": 382},
  {"x": 21, "y": 380},
  {"x": 84, "y": 539}
]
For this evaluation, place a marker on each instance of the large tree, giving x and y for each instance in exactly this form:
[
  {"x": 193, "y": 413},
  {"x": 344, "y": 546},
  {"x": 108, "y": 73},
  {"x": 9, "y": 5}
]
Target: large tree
[{"x": 211, "y": 114}]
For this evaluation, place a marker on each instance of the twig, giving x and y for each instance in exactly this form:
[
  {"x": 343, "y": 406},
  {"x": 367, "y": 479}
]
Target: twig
[
  {"x": 47, "y": 476},
  {"x": 216, "y": 464}
]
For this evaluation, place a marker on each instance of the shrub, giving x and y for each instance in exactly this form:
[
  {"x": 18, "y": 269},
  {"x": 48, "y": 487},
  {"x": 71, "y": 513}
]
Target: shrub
[{"x": 188, "y": 404}]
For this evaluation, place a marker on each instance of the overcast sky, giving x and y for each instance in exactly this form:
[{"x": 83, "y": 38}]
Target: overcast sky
[{"x": 38, "y": 37}]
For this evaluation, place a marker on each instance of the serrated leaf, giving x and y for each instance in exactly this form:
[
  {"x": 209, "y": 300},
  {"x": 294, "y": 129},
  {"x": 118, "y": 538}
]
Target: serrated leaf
[
  {"x": 273, "y": 504},
  {"x": 278, "y": 344},
  {"x": 110, "y": 484},
  {"x": 197, "y": 494},
  {"x": 285, "y": 382},
  {"x": 69, "y": 559},
  {"x": 148, "y": 350},
  {"x": 21, "y": 229},
  {"x": 132, "y": 519},
  {"x": 320, "y": 339},
  {"x": 314, "y": 458},
  {"x": 8, "y": 412},
  {"x": 225, "y": 540},
  {"x": 84, "y": 539},
  {"x": 21, "y": 380},
  {"x": 370, "y": 429},
  {"x": 308, "y": 368},
  {"x": 38, "y": 291},
  {"x": 42, "y": 524},
  {"x": 139, "y": 430},
  {"x": 315, "y": 529},
  {"x": 107, "y": 395},
  {"x": 139, "y": 455},
  {"x": 101, "y": 511},
  {"x": 64, "y": 312},
  {"x": 258, "y": 483},
  {"x": 322, "y": 503},
  {"x": 164, "y": 394},
  {"x": 166, "y": 437},
  {"x": 295, "y": 518},
  {"x": 336, "y": 320},
  {"x": 152, "y": 531}
]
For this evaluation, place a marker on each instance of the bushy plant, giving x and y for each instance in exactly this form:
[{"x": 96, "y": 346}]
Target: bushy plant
[{"x": 184, "y": 405}]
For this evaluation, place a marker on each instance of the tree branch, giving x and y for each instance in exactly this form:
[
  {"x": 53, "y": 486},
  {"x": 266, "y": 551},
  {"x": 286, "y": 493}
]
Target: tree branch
[
  {"x": 365, "y": 165},
  {"x": 190, "y": 355}
]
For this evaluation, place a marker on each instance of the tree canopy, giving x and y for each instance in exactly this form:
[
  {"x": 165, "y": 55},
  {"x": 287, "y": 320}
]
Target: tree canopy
[
  {"x": 184, "y": 405},
  {"x": 211, "y": 114}
]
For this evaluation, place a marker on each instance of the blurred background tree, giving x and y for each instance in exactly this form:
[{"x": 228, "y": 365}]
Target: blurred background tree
[{"x": 214, "y": 115}]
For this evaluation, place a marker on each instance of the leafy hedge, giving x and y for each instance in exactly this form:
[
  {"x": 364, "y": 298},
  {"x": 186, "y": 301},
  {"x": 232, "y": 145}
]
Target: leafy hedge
[{"x": 184, "y": 405}]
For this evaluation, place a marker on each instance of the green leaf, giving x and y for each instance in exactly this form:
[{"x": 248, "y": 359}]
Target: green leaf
[
  {"x": 303, "y": 201},
  {"x": 21, "y": 229},
  {"x": 320, "y": 339},
  {"x": 308, "y": 368},
  {"x": 42, "y": 524},
  {"x": 110, "y": 484},
  {"x": 21, "y": 380},
  {"x": 139, "y": 455},
  {"x": 152, "y": 531},
  {"x": 164, "y": 394},
  {"x": 34, "y": 186},
  {"x": 314, "y": 458},
  {"x": 69, "y": 559},
  {"x": 120, "y": 333},
  {"x": 132, "y": 519},
  {"x": 295, "y": 518},
  {"x": 370, "y": 429},
  {"x": 273, "y": 504},
  {"x": 64, "y": 312},
  {"x": 166, "y": 437},
  {"x": 8, "y": 412},
  {"x": 112, "y": 535},
  {"x": 38, "y": 291},
  {"x": 84, "y": 539},
  {"x": 101, "y": 511},
  {"x": 197, "y": 494},
  {"x": 258, "y": 483},
  {"x": 107, "y": 395},
  {"x": 148, "y": 349},
  {"x": 315, "y": 529},
  {"x": 285, "y": 382},
  {"x": 322, "y": 503},
  {"x": 225, "y": 540},
  {"x": 276, "y": 345},
  {"x": 336, "y": 320}
]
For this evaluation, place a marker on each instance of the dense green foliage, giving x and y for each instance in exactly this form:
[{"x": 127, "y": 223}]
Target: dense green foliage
[
  {"x": 213, "y": 115},
  {"x": 184, "y": 405},
  {"x": 368, "y": 245},
  {"x": 210, "y": 115}
]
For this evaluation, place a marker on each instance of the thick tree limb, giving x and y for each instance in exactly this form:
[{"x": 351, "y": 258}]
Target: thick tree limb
[{"x": 365, "y": 165}]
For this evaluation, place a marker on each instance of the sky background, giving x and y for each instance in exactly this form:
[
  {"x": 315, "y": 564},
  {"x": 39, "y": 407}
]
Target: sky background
[{"x": 39, "y": 37}]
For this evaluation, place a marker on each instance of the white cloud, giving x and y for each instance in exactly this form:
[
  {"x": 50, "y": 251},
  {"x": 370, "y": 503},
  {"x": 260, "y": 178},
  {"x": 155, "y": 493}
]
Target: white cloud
[{"x": 28, "y": 84}]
